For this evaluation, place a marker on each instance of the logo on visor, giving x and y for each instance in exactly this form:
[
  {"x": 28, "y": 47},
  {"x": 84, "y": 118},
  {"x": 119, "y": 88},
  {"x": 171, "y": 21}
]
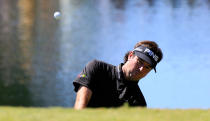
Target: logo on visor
[{"x": 155, "y": 57}]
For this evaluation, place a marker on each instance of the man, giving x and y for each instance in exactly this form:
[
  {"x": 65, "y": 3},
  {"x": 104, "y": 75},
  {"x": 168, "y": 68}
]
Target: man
[{"x": 104, "y": 85}]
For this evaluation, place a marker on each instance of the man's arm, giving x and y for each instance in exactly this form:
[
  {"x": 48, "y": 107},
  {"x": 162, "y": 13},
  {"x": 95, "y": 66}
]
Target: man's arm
[{"x": 83, "y": 97}]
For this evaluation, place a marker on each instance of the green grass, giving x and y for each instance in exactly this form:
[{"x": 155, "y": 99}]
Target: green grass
[{"x": 101, "y": 114}]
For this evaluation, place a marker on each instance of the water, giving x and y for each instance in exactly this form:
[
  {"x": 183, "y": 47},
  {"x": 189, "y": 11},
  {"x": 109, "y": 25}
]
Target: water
[{"x": 106, "y": 30}]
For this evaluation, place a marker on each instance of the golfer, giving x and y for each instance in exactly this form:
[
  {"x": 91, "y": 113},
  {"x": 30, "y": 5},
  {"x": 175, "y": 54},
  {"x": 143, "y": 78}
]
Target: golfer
[{"x": 104, "y": 85}]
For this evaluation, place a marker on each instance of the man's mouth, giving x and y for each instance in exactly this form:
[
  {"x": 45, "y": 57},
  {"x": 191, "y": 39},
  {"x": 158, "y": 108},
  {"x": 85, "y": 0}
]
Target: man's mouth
[{"x": 135, "y": 73}]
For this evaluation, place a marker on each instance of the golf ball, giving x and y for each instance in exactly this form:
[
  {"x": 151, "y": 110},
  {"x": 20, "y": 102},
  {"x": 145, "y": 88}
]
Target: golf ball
[{"x": 57, "y": 15}]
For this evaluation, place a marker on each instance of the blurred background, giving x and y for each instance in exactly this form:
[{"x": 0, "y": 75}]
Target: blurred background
[{"x": 40, "y": 56}]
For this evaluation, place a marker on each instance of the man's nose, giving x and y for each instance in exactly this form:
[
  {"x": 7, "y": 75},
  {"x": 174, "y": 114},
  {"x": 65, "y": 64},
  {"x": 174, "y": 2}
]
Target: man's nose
[{"x": 141, "y": 68}]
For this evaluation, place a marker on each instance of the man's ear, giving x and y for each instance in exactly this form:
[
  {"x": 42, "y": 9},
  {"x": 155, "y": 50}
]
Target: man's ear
[{"x": 130, "y": 55}]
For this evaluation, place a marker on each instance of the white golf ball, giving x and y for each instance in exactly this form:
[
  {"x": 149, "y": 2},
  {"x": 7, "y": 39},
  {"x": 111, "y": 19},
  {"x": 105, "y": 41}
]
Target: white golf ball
[{"x": 57, "y": 15}]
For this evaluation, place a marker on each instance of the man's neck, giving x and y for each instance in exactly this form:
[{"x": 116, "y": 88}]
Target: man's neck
[{"x": 125, "y": 73}]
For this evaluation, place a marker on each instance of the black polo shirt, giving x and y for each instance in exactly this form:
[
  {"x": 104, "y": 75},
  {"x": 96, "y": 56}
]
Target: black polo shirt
[{"x": 108, "y": 85}]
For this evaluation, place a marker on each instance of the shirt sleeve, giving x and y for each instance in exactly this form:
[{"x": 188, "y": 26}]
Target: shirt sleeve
[
  {"x": 137, "y": 98},
  {"x": 86, "y": 77}
]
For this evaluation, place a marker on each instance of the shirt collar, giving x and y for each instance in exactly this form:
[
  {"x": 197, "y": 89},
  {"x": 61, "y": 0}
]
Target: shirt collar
[{"x": 120, "y": 75}]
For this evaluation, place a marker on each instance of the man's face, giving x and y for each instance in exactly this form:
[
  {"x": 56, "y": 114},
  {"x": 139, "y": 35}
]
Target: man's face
[{"x": 136, "y": 68}]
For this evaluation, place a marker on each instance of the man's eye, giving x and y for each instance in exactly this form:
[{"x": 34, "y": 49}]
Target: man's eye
[
  {"x": 140, "y": 62},
  {"x": 147, "y": 67}
]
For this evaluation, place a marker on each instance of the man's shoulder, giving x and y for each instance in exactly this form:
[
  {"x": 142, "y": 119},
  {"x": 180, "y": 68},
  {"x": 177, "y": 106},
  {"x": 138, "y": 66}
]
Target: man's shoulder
[{"x": 99, "y": 64}]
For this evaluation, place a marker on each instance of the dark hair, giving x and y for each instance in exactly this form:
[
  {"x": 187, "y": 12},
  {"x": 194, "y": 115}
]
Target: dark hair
[
  {"x": 149, "y": 44},
  {"x": 126, "y": 56}
]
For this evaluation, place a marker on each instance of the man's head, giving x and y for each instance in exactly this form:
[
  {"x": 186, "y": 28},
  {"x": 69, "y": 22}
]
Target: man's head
[{"x": 140, "y": 61}]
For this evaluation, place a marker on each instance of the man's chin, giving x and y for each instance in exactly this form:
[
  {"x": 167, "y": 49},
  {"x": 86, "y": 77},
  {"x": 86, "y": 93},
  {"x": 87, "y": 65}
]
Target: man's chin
[
  {"x": 139, "y": 77},
  {"x": 135, "y": 79}
]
